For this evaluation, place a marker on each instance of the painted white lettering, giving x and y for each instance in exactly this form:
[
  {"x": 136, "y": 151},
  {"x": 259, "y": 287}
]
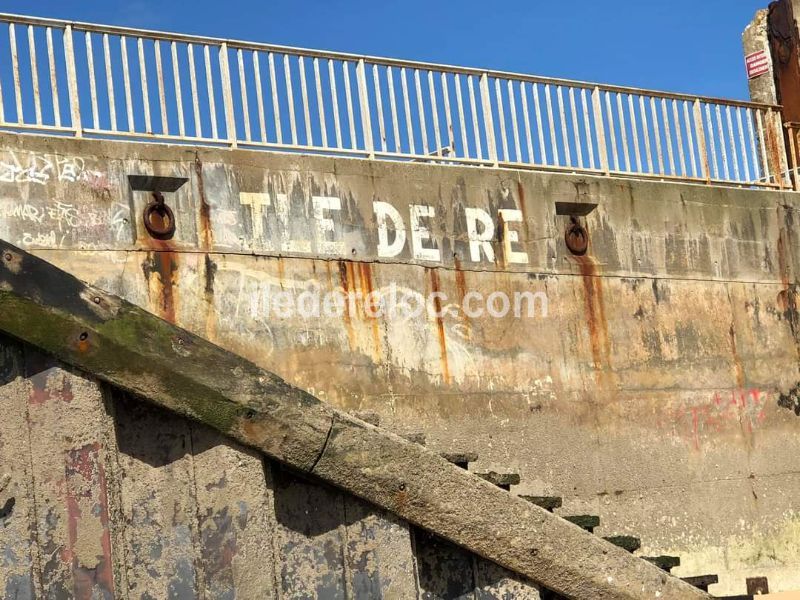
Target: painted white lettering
[
  {"x": 482, "y": 239},
  {"x": 384, "y": 211},
  {"x": 420, "y": 233},
  {"x": 510, "y": 236}
]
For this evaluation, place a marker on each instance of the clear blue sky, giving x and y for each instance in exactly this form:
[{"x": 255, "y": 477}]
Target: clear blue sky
[{"x": 677, "y": 45}]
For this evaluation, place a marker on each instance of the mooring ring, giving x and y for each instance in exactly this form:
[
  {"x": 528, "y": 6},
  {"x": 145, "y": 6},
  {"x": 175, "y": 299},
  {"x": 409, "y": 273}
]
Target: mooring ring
[
  {"x": 159, "y": 220},
  {"x": 577, "y": 238}
]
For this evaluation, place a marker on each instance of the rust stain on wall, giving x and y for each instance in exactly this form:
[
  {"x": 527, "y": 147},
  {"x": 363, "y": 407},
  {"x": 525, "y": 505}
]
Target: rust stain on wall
[
  {"x": 345, "y": 278},
  {"x": 737, "y": 361},
  {"x": 161, "y": 272},
  {"x": 437, "y": 306},
  {"x": 206, "y": 237},
  {"x": 89, "y": 549},
  {"x": 595, "y": 313}
]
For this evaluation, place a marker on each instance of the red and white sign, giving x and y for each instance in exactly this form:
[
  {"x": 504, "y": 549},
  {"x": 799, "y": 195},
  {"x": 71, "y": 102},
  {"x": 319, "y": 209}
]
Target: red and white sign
[{"x": 757, "y": 64}]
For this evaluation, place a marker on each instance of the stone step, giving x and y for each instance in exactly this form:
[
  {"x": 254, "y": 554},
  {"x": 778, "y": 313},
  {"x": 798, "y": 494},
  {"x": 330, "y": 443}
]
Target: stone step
[
  {"x": 667, "y": 563},
  {"x": 626, "y": 542},
  {"x": 546, "y": 502},
  {"x": 501, "y": 480},
  {"x": 702, "y": 581},
  {"x": 417, "y": 438},
  {"x": 460, "y": 459},
  {"x": 587, "y": 522}
]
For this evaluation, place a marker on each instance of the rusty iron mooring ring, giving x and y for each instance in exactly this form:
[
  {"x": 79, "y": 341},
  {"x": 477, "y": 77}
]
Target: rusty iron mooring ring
[
  {"x": 576, "y": 237},
  {"x": 159, "y": 220}
]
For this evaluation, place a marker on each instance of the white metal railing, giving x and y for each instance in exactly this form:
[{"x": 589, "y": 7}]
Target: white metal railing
[{"x": 92, "y": 80}]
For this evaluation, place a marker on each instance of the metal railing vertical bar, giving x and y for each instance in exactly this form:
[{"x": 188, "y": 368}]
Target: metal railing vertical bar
[
  {"x": 212, "y": 103},
  {"x": 92, "y": 82},
  {"x": 12, "y": 39},
  {"x": 689, "y": 137},
  {"x": 600, "y": 131},
  {"x": 451, "y": 144},
  {"x": 753, "y": 149},
  {"x": 72, "y": 82},
  {"x": 587, "y": 126},
  {"x": 243, "y": 94},
  {"x": 363, "y": 104},
  {"x": 623, "y": 128},
  {"x": 320, "y": 107},
  {"x": 376, "y": 82},
  {"x": 635, "y": 134},
  {"x": 462, "y": 124},
  {"x": 126, "y": 83},
  {"x": 474, "y": 112},
  {"x": 301, "y": 65},
  {"x": 711, "y": 142},
  {"x": 337, "y": 126},
  {"x": 262, "y": 121},
  {"x": 512, "y": 106},
  {"x": 762, "y": 136},
  {"x": 421, "y": 113},
  {"x": 539, "y": 128},
  {"x": 526, "y": 118},
  {"x": 702, "y": 147},
  {"x": 112, "y": 105},
  {"x": 732, "y": 140},
  {"x": 227, "y": 94},
  {"x": 668, "y": 136},
  {"x": 551, "y": 125},
  {"x": 743, "y": 146},
  {"x": 437, "y": 134},
  {"x": 393, "y": 109},
  {"x": 576, "y": 130},
  {"x": 407, "y": 112},
  {"x": 349, "y": 100},
  {"x": 612, "y": 131},
  {"x": 648, "y": 149},
  {"x": 198, "y": 123},
  {"x": 287, "y": 73},
  {"x": 657, "y": 136},
  {"x": 51, "y": 64},
  {"x": 679, "y": 137},
  {"x": 562, "y": 117},
  {"x": 37, "y": 101},
  {"x": 176, "y": 81},
  {"x": 721, "y": 140},
  {"x": 488, "y": 119},
  {"x": 276, "y": 109},
  {"x": 502, "y": 117}
]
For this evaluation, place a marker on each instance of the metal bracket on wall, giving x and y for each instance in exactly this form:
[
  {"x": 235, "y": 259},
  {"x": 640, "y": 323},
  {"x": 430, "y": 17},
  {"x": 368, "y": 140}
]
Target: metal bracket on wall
[{"x": 158, "y": 218}]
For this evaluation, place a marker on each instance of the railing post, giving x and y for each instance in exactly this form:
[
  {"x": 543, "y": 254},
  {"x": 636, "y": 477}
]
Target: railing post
[
  {"x": 363, "y": 103},
  {"x": 227, "y": 94},
  {"x": 791, "y": 132},
  {"x": 72, "y": 82},
  {"x": 600, "y": 131},
  {"x": 488, "y": 119},
  {"x": 776, "y": 145},
  {"x": 702, "y": 147}
]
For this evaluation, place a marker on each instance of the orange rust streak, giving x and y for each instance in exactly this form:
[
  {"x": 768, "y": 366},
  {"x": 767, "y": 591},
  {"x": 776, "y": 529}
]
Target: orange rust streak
[
  {"x": 367, "y": 288},
  {"x": 437, "y": 304},
  {"x": 737, "y": 361},
  {"x": 346, "y": 277},
  {"x": 461, "y": 289},
  {"x": 595, "y": 312},
  {"x": 206, "y": 232}
]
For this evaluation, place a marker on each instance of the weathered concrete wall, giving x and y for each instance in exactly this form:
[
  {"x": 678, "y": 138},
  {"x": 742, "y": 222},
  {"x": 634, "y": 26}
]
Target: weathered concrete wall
[{"x": 660, "y": 391}]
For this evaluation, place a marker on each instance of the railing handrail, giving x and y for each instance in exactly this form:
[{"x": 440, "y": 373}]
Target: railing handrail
[{"x": 385, "y": 61}]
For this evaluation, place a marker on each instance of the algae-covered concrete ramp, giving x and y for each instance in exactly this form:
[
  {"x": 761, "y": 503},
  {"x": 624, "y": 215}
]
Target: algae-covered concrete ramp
[{"x": 136, "y": 352}]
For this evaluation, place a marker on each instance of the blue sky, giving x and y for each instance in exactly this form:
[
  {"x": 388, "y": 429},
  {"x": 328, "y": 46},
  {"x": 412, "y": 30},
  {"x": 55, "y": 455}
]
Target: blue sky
[{"x": 676, "y": 45}]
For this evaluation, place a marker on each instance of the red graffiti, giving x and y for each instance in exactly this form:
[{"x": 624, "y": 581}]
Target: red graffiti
[{"x": 728, "y": 410}]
